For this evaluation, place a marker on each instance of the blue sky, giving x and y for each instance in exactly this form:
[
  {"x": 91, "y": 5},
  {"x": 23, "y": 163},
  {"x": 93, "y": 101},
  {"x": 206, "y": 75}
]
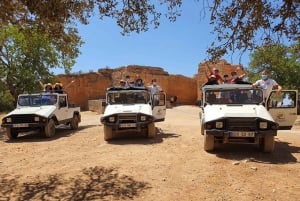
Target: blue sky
[{"x": 176, "y": 47}]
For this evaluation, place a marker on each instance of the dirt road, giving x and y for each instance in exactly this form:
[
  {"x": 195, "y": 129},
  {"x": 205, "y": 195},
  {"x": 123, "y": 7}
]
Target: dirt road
[{"x": 82, "y": 166}]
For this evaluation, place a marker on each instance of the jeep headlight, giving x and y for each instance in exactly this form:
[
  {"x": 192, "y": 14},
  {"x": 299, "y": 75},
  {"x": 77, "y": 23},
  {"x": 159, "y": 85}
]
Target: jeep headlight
[
  {"x": 143, "y": 118},
  {"x": 219, "y": 124},
  {"x": 111, "y": 119},
  {"x": 8, "y": 120},
  {"x": 263, "y": 125},
  {"x": 36, "y": 118}
]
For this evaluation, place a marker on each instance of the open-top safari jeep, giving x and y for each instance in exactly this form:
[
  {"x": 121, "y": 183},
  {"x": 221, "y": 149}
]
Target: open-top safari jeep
[
  {"x": 41, "y": 111},
  {"x": 132, "y": 109},
  {"x": 237, "y": 113}
]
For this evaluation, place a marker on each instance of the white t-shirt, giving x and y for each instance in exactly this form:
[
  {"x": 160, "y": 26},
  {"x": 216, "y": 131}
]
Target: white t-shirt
[
  {"x": 266, "y": 85},
  {"x": 155, "y": 89}
]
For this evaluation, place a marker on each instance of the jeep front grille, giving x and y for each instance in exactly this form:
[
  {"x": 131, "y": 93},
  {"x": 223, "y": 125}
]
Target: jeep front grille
[
  {"x": 241, "y": 124},
  {"x": 28, "y": 118},
  {"x": 127, "y": 118}
]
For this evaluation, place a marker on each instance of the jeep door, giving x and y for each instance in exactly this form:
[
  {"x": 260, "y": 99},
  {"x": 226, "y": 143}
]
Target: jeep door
[
  {"x": 63, "y": 113},
  {"x": 159, "y": 106},
  {"x": 283, "y": 107}
]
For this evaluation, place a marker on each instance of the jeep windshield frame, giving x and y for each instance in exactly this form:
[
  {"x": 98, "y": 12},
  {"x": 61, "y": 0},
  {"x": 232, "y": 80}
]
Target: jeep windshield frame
[
  {"x": 127, "y": 96},
  {"x": 37, "y": 100},
  {"x": 236, "y": 94}
]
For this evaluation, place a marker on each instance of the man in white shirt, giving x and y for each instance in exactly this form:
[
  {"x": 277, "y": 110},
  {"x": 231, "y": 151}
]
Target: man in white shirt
[
  {"x": 154, "y": 87},
  {"x": 266, "y": 84}
]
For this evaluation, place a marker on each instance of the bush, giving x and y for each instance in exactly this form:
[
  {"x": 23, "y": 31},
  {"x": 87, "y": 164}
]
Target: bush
[{"x": 6, "y": 101}]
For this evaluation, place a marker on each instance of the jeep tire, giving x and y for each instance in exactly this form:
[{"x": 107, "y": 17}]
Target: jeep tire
[
  {"x": 11, "y": 133},
  {"x": 108, "y": 134},
  {"x": 151, "y": 130},
  {"x": 49, "y": 130},
  {"x": 268, "y": 144},
  {"x": 209, "y": 142},
  {"x": 74, "y": 122}
]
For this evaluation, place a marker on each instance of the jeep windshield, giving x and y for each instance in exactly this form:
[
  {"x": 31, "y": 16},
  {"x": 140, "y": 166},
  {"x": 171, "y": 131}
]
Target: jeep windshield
[
  {"x": 233, "y": 96},
  {"x": 128, "y": 97},
  {"x": 37, "y": 100}
]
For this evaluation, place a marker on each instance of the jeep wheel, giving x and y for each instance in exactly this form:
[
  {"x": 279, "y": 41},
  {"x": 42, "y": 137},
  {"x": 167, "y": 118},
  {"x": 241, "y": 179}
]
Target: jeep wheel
[
  {"x": 11, "y": 133},
  {"x": 108, "y": 135},
  {"x": 209, "y": 142},
  {"x": 268, "y": 144},
  {"x": 74, "y": 122},
  {"x": 151, "y": 130},
  {"x": 50, "y": 129}
]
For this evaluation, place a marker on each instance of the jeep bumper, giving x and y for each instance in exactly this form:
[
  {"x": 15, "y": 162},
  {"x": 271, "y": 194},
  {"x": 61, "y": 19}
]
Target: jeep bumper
[{"x": 223, "y": 133}]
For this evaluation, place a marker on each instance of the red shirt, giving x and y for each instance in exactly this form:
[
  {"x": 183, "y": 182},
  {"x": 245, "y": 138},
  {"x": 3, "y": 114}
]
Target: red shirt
[{"x": 218, "y": 77}]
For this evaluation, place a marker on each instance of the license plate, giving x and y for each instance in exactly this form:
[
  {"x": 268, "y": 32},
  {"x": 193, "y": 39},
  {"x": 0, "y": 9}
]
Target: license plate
[
  {"x": 20, "y": 125},
  {"x": 242, "y": 134},
  {"x": 128, "y": 125}
]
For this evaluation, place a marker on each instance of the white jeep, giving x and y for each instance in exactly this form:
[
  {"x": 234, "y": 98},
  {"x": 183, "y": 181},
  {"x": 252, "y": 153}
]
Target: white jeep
[
  {"x": 237, "y": 113},
  {"x": 132, "y": 109},
  {"x": 41, "y": 111}
]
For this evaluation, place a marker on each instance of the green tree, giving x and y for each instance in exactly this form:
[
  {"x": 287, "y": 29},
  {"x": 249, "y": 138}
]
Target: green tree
[
  {"x": 53, "y": 15},
  {"x": 27, "y": 56},
  {"x": 37, "y": 36},
  {"x": 238, "y": 24},
  {"x": 246, "y": 25},
  {"x": 281, "y": 61},
  {"x": 6, "y": 100}
]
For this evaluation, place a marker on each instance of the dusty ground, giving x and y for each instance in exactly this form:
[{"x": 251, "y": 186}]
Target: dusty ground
[{"x": 82, "y": 166}]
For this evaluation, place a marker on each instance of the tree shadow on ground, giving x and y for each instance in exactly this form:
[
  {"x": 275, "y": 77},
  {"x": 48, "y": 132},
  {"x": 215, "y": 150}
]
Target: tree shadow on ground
[
  {"x": 95, "y": 183},
  {"x": 138, "y": 138},
  {"x": 282, "y": 154},
  {"x": 37, "y": 136}
]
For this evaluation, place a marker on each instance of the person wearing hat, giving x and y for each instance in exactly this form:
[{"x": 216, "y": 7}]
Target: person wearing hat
[
  {"x": 48, "y": 87},
  {"x": 58, "y": 87}
]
